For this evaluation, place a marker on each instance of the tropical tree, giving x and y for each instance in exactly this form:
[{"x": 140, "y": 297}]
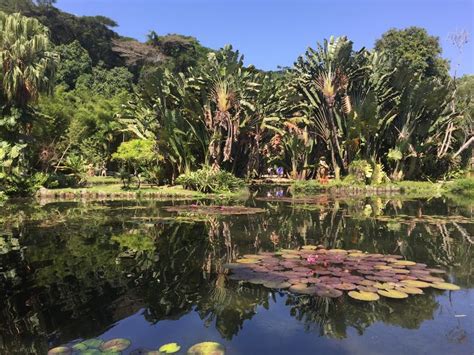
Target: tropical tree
[
  {"x": 27, "y": 69},
  {"x": 231, "y": 90},
  {"x": 169, "y": 114},
  {"x": 28, "y": 65},
  {"x": 414, "y": 49},
  {"x": 323, "y": 77},
  {"x": 136, "y": 155}
]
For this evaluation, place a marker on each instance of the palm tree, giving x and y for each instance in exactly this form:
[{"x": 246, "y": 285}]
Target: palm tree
[{"x": 28, "y": 67}]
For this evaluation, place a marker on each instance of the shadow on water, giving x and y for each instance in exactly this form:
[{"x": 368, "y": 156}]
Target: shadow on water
[{"x": 75, "y": 270}]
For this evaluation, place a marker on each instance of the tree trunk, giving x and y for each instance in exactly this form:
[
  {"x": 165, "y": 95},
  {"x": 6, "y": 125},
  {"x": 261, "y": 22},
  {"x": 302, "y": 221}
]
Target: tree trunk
[
  {"x": 335, "y": 142},
  {"x": 464, "y": 147}
]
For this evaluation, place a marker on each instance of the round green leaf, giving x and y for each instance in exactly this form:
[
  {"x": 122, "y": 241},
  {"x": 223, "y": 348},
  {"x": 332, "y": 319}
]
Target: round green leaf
[
  {"x": 115, "y": 345},
  {"x": 169, "y": 348},
  {"x": 206, "y": 348}
]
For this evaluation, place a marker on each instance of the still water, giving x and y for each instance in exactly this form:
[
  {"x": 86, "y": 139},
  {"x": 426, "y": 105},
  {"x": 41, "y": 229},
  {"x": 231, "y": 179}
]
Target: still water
[{"x": 71, "y": 271}]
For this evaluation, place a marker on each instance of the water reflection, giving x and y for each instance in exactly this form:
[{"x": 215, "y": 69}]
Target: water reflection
[{"x": 72, "y": 270}]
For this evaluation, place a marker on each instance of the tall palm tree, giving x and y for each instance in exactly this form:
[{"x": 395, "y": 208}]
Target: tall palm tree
[{"x": 28, "y": 66}]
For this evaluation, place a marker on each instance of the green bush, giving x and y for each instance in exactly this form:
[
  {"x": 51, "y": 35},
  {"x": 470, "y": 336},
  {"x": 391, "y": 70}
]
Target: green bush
[
  {"x": 209, "y": 180},
  {"x": 360, "y": 171},
  {"x": 307, "y": 187},
  {"x": 59, "y": 181},
  {"x": 135, "y": 155},
  {"x": 363, "y": 172}
]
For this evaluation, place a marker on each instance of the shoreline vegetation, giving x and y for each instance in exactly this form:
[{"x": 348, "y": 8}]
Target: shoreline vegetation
[
  {"x": 112, "y": 188},
  {"x": 174, "y": 119}
]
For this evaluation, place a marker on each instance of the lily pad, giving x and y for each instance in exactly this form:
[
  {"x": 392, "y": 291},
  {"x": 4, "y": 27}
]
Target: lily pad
[
  {"x": 277, "y": 284},
  {"x": 232, "y": 266},
  {"x": 298, "y": 288},
  {"x": 392, "y": 293},
  {"x": 445, "y": 286},
  {"x": 93, "y": 351},
  {"x": 290, "y": 256},
  {"x": 214, "y": 210},
  {"x": 252, "y": 256},
  {"x": 114, "y": 345},
  {"x": 384, "y": 286},
  {"x": 432, "y": 279},
  {"x": 404, "y": 263},
  {"x": 364, "y": 296},
  {"x": 60, "y": 350},
  {"x": 410, "y": 290},
  {"x": 401, "y": 271},
  {"x": 328, "y": 292},
  {"x": 169, "y": 348},
  {"x": 367, "y": 288},
  {"x": 416, "y": 283},
  {"x": 345, "y": 286},
  {"x": 93, "y": 343},
  {"x": 206, "y": 348},
  {"x": 337, "y": 251},
  {"x": 79, "y": 347},
  {"x": 247, "y": 261}
]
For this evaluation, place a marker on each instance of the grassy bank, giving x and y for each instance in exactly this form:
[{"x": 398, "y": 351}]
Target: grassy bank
[
  {"x": 459, "y": 188},
  {"x": 112, "y": 188}
]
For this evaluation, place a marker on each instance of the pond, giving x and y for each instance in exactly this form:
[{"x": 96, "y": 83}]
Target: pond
[{"x": 81, "y": 270}]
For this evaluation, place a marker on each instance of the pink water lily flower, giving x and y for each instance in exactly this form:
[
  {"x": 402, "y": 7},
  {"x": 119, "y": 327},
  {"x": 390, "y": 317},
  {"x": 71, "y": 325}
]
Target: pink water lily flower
[{"x": 312, "y": 259}]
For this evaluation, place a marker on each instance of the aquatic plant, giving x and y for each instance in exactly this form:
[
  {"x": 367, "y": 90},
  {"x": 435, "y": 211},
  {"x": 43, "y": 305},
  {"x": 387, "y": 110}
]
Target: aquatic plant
[
  {"x": 214, "y": 210},
  {"x": 315, "y": 270}
]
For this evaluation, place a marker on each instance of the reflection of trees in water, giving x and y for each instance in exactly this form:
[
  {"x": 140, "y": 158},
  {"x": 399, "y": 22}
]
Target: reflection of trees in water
[
  {"x": 228, "y": 310},
  {"x": 62, "y": 265},
  {"x": 332, "y": 317}
]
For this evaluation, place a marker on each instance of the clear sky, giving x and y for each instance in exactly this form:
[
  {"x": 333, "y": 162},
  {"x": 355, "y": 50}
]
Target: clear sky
[{"x": 274, "y": 32}]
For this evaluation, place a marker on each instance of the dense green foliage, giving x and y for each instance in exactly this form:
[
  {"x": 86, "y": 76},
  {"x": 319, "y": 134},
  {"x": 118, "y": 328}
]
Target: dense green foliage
[
  {"x": 391, "y": 113},
  {"x": 209, "y": 180},
  {"x": 136, "y": 155}
]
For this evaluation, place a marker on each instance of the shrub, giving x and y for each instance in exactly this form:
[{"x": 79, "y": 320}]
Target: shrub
[
  {"x": 363, "y": 172},
  {"x": 379, "y": 176},
  {"x": 209, "y": 180},
  {"x": 136, "y": 155},
  {"x": 58, "y": 181},
  {"x": 307, "y": 187},
  {"x": 360, "y": 171}
]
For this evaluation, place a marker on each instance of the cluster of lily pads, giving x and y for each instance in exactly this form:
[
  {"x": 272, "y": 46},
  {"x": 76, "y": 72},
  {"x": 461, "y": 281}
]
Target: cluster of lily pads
[
  {"x": 315, "y": 270},
  {"x": 214, "y": 209},
  {"x": 116, "y": 346}
]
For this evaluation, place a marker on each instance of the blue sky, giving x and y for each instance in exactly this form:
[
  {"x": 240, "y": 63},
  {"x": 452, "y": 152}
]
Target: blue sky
[{"x": 274, "y": 32}]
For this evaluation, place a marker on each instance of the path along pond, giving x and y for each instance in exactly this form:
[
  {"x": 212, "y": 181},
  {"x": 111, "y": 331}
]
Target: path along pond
[{"x": 149, "y": 273}]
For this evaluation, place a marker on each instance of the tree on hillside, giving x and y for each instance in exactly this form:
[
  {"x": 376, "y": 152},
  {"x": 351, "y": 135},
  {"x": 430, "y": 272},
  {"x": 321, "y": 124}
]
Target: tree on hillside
[
  {"x": 46, "y": 3},
  {"x": 75, "y": 61},
  {"x": 94, "y": 33}
]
